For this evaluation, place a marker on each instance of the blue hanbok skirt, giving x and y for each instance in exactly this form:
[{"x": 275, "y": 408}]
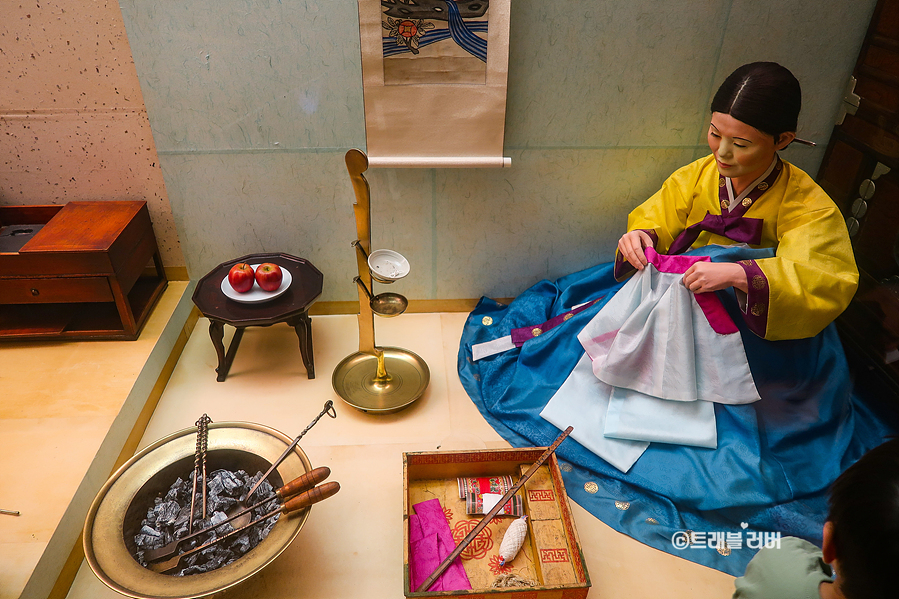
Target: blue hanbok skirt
[{"x": 775, "y": 460}]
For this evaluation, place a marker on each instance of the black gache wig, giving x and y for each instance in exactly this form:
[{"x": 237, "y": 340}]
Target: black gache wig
[{"x": 764, "y": 95}]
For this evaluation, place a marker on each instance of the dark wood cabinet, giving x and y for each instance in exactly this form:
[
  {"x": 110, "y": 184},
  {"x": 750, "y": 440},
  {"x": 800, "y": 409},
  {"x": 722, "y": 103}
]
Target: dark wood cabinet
[
  {"x": 79, "y": 270},
  {"x": 860, "y": 171}
]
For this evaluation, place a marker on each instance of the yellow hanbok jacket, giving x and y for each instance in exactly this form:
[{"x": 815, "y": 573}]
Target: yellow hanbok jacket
[{"x": 813, "y": 276}]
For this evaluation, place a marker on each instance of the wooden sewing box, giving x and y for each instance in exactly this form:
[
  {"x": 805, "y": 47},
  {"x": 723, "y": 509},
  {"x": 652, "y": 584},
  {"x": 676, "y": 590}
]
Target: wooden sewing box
[
  {"x": 551, "y": 556},
  {"x": 78, "y": 270}
]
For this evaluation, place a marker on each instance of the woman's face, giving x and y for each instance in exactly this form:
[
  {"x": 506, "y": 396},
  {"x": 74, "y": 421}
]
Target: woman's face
[{"x": 741, "y": 151}]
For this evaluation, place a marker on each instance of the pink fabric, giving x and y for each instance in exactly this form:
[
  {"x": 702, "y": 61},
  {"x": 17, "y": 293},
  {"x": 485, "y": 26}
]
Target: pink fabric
[
  {"x": 710, "y": 303},
  {"x": 430, "y": 541},
  {"x": 673, "y": 264}
]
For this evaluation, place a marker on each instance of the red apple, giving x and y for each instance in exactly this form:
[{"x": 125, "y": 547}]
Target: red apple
[
  {"x": 241, "y": 277},
  {"x": 268, "y": 276}
]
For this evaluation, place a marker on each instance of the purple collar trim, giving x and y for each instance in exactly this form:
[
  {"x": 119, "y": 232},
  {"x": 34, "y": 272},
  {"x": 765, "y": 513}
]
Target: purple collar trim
[
  {"x": 760, "y": 188},
  {"x": 730, "y": 223}
]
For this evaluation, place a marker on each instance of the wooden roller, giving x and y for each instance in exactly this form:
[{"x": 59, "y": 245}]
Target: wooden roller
[
  {"x": 309, "y": 497},
  {"x": 301, "y": 483}
]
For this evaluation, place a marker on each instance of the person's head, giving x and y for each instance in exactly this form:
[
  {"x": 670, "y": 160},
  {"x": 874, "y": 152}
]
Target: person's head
[
  {"x": 763, "y": 95},
  {"x": 754, "y": 114},
  {"x": 861, "y": 536}
]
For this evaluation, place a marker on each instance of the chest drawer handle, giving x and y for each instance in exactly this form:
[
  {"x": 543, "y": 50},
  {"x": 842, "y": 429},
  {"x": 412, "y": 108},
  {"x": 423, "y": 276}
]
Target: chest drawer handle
[{"x": 35, "y": 291}]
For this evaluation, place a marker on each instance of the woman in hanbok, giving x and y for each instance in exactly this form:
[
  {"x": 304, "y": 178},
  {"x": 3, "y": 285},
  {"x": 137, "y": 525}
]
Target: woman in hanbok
[
  {"x": 763, "y": 265},
  {"x": 743, "y": 192}
]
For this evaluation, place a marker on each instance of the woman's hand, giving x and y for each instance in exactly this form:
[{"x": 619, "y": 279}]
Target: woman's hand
[
  {"x": 703, "y": 277},
  {"x": 631, "y": 246}
]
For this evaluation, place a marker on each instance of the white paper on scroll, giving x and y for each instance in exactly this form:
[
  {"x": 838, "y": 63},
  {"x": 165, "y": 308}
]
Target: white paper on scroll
[{"x": 434, "y": 75}]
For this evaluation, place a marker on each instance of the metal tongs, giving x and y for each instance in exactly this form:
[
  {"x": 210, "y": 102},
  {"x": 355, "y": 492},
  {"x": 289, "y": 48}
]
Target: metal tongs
[
  {"x": 241, "y": 505},
  {"x": 302, "y": 500},
  {"x": 199, "y": 467}
]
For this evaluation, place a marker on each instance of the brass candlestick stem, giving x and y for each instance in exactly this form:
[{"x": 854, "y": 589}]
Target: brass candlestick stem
[{"x": 375, "y": 379}]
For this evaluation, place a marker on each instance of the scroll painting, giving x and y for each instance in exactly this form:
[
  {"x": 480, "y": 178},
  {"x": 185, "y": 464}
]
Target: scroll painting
[{"x": 434, "y": 78}]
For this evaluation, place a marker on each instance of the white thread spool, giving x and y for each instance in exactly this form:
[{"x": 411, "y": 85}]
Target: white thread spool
[{"x": 513, "y": 540}]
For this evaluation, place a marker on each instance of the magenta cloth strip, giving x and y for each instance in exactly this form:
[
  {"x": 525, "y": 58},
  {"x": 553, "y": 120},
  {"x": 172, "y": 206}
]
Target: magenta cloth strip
[
  {"x": 673, "y": 264},
  {"x": 429, "y": 545},
  {"x": 622, "y": 266},
  {"x": 709, "y": 303},
  {"x": 415, "y": 532},
  {"x": 522, "y": 334},
  {"x": 757, "y": 298}
]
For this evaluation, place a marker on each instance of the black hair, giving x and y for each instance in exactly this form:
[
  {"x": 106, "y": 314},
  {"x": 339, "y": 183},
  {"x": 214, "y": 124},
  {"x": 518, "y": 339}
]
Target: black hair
[
  {"x": 864, "y": 510},
  {"x": 764, "y": 95}
]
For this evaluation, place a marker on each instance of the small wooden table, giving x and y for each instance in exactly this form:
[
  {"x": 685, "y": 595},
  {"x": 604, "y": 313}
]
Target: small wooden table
[
  {"x": 77, "y": 270},
  {"x": 291, "y": 307}
]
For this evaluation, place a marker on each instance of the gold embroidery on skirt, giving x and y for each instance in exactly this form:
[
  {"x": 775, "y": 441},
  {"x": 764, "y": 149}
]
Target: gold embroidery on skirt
[{"x": 723, "y": 549}]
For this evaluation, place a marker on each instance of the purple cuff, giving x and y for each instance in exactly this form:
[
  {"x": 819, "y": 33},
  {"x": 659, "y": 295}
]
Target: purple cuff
[
  {"x": 622, "y": 266},
  {"x": 756, "y": 312}
]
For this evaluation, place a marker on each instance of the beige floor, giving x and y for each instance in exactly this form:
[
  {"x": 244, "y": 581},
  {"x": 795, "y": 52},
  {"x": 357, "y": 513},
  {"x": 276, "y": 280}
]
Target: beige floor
[
  {"x": 351, "y": 546},
  {"x": 66, "y": 411}
]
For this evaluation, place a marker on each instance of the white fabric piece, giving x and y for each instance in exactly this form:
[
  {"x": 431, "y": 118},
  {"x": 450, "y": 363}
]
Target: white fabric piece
[
  {"x": 490, "y": 348},
  {"x": 636, "y": 416},
  {"x": 581, "y": 402},
  {"x": 489, "y": 500},
  {"x": 652, "y": 337}
]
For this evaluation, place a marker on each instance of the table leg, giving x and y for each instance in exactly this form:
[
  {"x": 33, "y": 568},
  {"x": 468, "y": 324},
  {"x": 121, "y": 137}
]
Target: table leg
[
  {"x": 217, "y": 333},
  {"x": 303, "y": 326}
]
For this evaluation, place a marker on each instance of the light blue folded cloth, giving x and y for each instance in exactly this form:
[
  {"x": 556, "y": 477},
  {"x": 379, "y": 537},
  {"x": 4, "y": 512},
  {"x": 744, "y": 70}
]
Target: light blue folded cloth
[{"x": 582, "y": 402}]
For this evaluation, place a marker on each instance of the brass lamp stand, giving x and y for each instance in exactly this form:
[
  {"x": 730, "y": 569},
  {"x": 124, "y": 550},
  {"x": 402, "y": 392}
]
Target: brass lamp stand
[{"x": 379, "y": 380}]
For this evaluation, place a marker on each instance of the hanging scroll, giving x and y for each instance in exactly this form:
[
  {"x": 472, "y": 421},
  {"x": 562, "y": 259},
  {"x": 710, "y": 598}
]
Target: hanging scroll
[{"x": 434, "y": 76}]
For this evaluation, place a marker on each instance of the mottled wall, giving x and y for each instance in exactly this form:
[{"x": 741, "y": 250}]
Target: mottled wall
[
  {"x": 253, "y": 105},
  {"x": 73, "y": 125}
]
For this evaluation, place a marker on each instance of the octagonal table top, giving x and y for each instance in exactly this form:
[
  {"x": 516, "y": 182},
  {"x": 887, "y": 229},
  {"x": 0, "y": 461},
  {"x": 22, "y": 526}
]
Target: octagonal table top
[{"x": 304, "y": 289}]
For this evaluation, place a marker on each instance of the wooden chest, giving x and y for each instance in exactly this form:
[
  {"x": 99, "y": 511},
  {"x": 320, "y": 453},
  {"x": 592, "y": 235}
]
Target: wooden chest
[{"x": 79, "y": 270}]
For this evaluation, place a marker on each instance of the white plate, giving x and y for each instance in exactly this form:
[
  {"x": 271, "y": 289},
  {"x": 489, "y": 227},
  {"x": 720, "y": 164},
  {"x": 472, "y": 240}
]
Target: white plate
[{"x": 257, "y": 294}]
